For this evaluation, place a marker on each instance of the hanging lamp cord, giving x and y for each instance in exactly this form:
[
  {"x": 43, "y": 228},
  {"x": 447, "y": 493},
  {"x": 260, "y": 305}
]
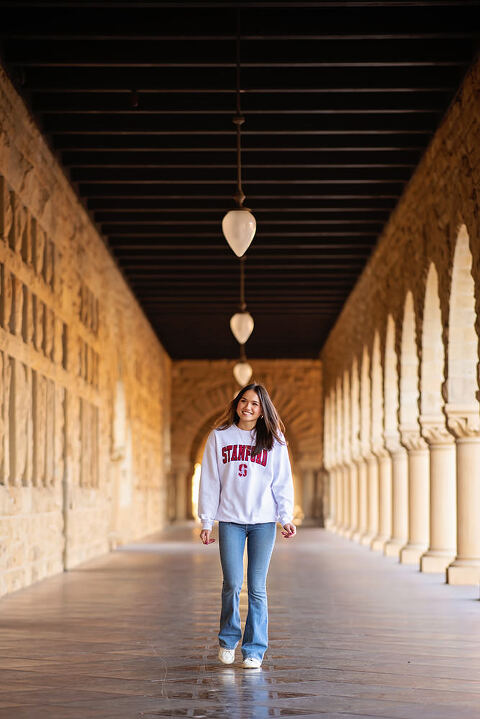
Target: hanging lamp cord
[
  {"x": 243, "y": 304},
  {"x": 238, "y": 121}
]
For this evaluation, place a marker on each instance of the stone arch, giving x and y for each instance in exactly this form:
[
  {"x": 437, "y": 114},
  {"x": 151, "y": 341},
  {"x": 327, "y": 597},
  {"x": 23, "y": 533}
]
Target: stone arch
[
  {"x": 409, "y": 389},
  {"x": 462, "y": 385},
  {"x": 346, "y": 419},
  {"x": 346, "y": 448},
  {"x": 390, "y": 384},
  {"x": 355, "y": 410},
  {"x": 377, "y": 395},
  {"x": 339, "y": 454},
  {"x": 326, "y": 432},
  {"x": 433, "y": 355},
  {"x": 365, "y": 398}
]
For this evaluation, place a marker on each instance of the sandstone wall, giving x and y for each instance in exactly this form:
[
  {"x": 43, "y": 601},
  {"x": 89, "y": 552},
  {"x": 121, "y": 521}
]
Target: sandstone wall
[
  {"x": 202, "y": 389},
  {"x": 84, "y": 382},
  {"x": 423, "y": 230}
]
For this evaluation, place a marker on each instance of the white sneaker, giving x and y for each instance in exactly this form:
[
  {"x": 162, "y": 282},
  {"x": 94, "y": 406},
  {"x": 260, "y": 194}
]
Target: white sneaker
[
  {"x": 226, "y": 656},
  {"x": 252, "y": 663}
]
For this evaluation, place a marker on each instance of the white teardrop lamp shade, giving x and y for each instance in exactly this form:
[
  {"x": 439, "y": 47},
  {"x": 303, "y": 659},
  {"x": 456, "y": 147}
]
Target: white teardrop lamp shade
[
  {"x": 242, "y": 373},
  {"x": 241, "y": 325},
  {"x": 239, "y": 229}
]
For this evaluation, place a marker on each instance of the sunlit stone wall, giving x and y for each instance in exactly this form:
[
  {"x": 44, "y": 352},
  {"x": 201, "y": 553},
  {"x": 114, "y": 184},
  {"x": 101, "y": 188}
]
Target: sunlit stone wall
[{"x": 84, "y": 382}]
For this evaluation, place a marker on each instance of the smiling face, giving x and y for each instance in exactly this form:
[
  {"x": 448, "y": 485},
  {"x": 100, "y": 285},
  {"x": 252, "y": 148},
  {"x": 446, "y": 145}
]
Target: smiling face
[{"x": 249, "y": 409}]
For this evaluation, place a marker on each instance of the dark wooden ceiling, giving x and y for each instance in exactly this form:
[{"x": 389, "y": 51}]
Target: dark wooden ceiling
[{"x": 340, "y": 101}]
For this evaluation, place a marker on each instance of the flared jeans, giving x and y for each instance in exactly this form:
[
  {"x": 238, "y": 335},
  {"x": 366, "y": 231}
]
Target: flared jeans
[{"x": 260, "y": 539}]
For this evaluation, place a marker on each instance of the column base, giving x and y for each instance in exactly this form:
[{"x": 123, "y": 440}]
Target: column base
[
  {"x": 435, "y": 561},
  {"x": 378, "y": 544},
  {"x": 330, "y": 524},
  {"x": 394, "y": 547},
  {"x": 350, "y": 534},
  {"x": 357, "y": 536},
  {"x": 411, "y": 553},
  {"x": 310, "y": 522},
  {"x": 464, "y": 572},
  {"x": 367, "y": 539}
]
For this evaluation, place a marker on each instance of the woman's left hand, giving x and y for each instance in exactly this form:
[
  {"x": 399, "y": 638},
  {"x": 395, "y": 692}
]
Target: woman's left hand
[{"x": 290, "y": 530}]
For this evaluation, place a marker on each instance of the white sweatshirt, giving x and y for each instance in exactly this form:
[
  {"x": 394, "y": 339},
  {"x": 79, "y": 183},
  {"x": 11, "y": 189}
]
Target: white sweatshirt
[{"x": 236, "y": 487}]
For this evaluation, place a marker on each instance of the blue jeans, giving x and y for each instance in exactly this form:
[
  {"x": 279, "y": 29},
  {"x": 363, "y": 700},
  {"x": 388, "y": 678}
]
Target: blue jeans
[{"x": 260, "y": 540}]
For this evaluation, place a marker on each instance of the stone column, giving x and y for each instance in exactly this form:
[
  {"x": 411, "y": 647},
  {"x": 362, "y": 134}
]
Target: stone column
[
  {"x": 385, "y": 501},
  {"x": 330, "y": 499},
  {"x": 372, "y": 500},
  {"x": 353, "y": 500},
  {"x": 362, "y": 500},
  {"x": 418, "y": 498},
  {"x": 346, "y": 500},
  {"x": 464, "y": 425},
  {"x": 181, "y": 483},
  {"x": 399, "y": 501},
  {"x": 443, "y": 516},
  {"x": 339, "y": 499},
  {"x": 308, "y": 496}
]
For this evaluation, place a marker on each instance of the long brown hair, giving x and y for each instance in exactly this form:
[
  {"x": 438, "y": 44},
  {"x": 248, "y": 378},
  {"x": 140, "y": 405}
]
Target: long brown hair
[{"x": 269, "y": 426}]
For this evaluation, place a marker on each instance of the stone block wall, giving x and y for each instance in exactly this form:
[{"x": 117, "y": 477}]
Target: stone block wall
[
  {"x": 84, "y": 382},
  {"x": 200, "y": 392}
]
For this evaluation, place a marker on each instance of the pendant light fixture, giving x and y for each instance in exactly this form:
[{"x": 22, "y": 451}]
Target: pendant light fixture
[
  {"x": 241, "y": 323},
  {"x": 239, "y": 224},
  {"x": 242, "y": 370}
]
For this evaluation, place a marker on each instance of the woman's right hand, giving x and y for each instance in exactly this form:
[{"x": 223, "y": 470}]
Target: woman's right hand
[{"x": 205, "y": 536}]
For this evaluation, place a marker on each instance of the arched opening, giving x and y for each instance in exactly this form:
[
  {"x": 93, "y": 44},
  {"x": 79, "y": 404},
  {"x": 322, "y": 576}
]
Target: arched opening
[
  {"x": 365, "y": 416},
  {"x": 399, "y": 491},
  {"x": 418, "y": 456},
  {"x": 442, "y": 450},
  {"x": 346, "y": 452},
  {"x": 390, "y": 385},
  {"x": 339, "y": 455},
  {"x": 409, "y": 391},
  {"x": 462, "y": 411},
  {"x": 347, "y": 447},
  {"x": 462, "y": 338},
  {"x": 365, "y": 421},
  {"x": 354, "y": 447},
  {"x": 355, "y": 410},
  {"x": 377, "y": 396},
  {"x": 432, "y": 350}
]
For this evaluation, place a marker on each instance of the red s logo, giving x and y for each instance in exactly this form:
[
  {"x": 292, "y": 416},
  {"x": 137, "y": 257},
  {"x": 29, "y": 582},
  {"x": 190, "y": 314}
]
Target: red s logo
[{"x": 242, "y": 470}]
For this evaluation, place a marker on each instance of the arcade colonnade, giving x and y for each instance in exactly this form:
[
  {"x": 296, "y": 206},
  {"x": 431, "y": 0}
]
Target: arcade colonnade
[{"x": 401, "y": 415}]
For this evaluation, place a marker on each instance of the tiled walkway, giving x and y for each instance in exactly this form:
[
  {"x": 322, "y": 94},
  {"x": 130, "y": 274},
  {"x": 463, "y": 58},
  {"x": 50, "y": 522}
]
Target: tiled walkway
[{"x": 133, "y": 635}]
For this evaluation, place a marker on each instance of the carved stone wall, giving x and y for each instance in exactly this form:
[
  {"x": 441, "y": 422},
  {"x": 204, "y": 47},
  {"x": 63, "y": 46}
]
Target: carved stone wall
[
  {"x": 202, "y": 389},
  {"x": 84, "y": 382}
]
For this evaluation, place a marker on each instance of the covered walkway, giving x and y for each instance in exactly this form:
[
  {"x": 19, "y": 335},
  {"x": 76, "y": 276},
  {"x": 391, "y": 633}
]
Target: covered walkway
[{"x": 353, "y": 634}]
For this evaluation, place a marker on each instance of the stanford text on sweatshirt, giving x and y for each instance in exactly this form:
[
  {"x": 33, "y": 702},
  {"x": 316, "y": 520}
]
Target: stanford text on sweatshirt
[{"x": 238, "y": 487}]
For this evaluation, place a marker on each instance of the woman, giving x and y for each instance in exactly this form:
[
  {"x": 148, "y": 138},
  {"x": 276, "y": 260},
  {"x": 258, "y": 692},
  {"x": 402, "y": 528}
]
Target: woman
[{"x": 246, "y": 484}]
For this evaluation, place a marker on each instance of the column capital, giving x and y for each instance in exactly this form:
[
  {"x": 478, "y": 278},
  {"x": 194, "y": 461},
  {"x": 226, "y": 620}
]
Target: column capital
[
  {"x": 392, "y": 443},
  {"x": 411, "y": 439},
  {"x": 463, "y": 421},
  {"x": 380, "y": 450},
  {"x": 434, "y": 430}
]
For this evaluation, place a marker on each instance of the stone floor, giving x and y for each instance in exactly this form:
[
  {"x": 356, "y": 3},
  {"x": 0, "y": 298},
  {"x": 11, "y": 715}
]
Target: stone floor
[{"x": 133, "y": 635}]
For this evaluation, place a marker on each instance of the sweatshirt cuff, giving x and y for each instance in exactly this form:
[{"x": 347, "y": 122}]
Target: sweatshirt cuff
[
  {"x": 207, "y": 525},
  {"x": 286, "y": 520}
]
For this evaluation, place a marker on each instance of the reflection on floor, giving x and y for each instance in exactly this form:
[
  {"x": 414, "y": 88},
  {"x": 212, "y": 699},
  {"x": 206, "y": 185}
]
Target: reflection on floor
[{"x": 133, "y": 635}]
